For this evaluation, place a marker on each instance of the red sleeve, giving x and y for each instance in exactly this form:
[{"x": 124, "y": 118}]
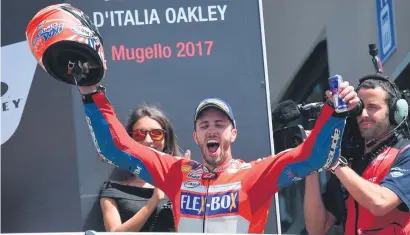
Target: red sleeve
[
  {"x": 116, "y": 147},
  {"x": 267, "y": 176}
]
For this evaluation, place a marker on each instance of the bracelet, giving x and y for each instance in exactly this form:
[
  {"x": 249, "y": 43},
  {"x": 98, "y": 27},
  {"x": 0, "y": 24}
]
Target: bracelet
[{"x": 340, "y": 162}]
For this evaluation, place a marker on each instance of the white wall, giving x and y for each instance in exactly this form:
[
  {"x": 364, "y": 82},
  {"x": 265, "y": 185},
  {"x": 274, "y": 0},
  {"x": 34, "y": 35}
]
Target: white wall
[{"x": 293, "y": 28}]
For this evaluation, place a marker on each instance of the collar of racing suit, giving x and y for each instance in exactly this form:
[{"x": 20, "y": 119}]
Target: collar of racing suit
[{"x": 231, "y": 166}]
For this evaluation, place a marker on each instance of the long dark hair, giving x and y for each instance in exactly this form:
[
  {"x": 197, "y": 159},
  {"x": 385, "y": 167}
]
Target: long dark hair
[{"x": 171, "y": 147}]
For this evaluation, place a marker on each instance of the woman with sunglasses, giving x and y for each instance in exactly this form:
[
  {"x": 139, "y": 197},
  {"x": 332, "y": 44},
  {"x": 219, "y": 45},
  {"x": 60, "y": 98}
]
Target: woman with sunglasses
[{"x": 128, "y": 203}]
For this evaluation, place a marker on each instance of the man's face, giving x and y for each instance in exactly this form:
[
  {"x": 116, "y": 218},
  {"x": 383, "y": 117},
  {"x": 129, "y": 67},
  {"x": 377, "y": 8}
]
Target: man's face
[
  {"x": 214, "y": 135},
  {"x": 374, "y": 120}
]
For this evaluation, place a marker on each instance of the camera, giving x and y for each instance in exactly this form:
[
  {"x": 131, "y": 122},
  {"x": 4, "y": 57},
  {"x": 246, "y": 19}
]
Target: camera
[
  {"x": 293, "y": 133},
  {"x": 288, "y": 137},
  {"x": 291, "y": 136}
]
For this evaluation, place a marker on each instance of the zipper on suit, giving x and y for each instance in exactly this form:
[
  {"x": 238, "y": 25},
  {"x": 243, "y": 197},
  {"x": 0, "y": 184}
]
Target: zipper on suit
[
  {"x": 206, "y": 198},
  {"x": 356, "y": 206}
]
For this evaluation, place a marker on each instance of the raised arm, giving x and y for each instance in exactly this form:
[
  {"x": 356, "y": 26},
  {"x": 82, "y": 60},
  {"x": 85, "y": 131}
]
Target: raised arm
[
  {"x": 116, "y": 147},
  {"x": 317, "y": 152}
]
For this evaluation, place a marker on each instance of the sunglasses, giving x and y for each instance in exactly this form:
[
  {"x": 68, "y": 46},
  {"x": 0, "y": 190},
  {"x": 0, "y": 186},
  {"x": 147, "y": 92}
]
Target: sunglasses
[{"x": 155, "y": 134}]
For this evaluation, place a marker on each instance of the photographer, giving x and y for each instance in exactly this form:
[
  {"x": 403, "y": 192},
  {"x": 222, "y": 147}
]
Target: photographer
[{"x": 375, "y": 197}]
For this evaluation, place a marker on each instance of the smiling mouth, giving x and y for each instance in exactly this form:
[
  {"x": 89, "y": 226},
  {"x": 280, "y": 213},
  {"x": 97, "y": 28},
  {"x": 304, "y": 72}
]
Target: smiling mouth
[
  {"x": 366, "y": 123},
  {"x": 212, "y": 146}
]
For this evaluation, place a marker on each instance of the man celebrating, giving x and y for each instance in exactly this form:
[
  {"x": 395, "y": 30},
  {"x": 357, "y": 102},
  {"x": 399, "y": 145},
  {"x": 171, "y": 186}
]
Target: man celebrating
[
  {"x": 377, "y": 183},
  {"x": 221, "y": 195}
]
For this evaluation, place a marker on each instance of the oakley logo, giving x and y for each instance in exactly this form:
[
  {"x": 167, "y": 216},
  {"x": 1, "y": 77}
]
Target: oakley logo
[
  {"x": 194, "y": 175},
  {"x": 82, "y": 31},
  {"x": 15, "y": 85},
  {"x": 4, "y": 88},
  {"x": 396, "y": 174},
  {"x": 192, "y": 184},
  {"x": 398, "y": 169}
]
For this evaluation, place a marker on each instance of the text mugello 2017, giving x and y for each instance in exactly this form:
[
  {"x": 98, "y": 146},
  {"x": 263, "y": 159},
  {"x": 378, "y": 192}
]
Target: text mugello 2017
[{"x": 162, "y": 51}]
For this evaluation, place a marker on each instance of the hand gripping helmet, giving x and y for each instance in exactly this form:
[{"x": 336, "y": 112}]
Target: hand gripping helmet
[{"x": 61, "y": 37}]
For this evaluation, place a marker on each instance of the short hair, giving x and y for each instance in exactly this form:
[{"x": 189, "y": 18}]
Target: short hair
[{"x": 373, "y": 83}]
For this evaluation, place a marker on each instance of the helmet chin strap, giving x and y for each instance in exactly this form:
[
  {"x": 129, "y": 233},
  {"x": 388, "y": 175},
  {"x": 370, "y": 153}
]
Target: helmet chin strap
[{"x": 78, "y": 71}]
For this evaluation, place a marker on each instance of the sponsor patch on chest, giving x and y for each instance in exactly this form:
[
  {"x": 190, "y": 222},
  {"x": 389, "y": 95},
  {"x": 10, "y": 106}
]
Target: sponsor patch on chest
[{"x": 212, "y": 204}]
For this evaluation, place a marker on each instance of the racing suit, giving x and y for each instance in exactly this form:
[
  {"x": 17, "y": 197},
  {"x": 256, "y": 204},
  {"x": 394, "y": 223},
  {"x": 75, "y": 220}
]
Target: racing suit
[{"x": 233, "y": 198}]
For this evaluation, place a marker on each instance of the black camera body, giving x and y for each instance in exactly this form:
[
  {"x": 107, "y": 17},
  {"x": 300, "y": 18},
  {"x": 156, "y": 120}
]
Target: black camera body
[
  {"x": 288, "y": 137},
  {"x": 352, "y": 141},
  {"x": 293, "y": 133}
]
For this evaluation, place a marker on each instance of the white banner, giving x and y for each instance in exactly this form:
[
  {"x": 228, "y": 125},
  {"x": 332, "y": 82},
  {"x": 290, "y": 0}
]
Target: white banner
[{"x": 17, "y": 71}]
